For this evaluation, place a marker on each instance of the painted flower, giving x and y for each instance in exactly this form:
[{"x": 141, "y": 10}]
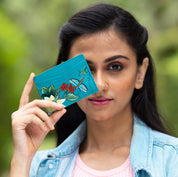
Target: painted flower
[
  {"x": 50, "y": 110},
  {"x": 51, "y": 98},
  {"x": 60, "y": 101},
  {"x": 64, "y": 87},
  {"x": 71, "y": 89}
]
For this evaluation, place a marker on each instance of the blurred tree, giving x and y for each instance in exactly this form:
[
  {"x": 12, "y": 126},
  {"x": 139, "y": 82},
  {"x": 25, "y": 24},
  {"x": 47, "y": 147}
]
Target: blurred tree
[{"x": 13, "y": 46}]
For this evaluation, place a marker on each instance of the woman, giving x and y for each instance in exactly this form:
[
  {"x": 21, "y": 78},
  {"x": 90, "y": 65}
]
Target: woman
[{"x": 118, "y": 130}]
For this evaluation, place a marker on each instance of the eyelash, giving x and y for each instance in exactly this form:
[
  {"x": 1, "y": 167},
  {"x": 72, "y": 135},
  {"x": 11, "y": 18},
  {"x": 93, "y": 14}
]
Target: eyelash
[
  {"x": 118, "y": 65},
  {"x": 109, "y": 67}
]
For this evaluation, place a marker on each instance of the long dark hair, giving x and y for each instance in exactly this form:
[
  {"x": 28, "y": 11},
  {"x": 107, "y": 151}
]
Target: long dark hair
[{"x": 101, "y": 17}]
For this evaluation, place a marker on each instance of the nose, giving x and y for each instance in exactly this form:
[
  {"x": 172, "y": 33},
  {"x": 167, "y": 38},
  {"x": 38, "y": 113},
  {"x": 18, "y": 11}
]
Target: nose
[{"x": 101, "y": 81}]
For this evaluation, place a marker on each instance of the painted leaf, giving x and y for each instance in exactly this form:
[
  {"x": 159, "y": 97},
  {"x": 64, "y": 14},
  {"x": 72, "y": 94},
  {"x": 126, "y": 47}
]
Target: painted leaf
[
  {"x": 65, "y": 93},
  {"x": 51, "y": 90},
  {"x": 57, "y": 97},
  {"x": 71, "y": 97},
  {"x": 44, "y": 91}
]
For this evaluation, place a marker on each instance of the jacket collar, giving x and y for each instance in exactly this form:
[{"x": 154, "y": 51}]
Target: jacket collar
[
  {"x": 140, "y": 152},
  {"x": 72, "y": 142}
]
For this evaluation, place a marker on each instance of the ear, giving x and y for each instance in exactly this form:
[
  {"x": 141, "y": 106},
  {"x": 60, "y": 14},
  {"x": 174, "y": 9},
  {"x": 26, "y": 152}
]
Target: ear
[{"x": 141, "y": 71}]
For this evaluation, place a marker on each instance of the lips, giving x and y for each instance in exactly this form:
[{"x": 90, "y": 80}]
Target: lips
[{"x": 100, "y": 101}]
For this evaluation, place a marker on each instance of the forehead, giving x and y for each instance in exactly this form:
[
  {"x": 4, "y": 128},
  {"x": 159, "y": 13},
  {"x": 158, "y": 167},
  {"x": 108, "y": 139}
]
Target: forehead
[{"x": 102, "y": 44}]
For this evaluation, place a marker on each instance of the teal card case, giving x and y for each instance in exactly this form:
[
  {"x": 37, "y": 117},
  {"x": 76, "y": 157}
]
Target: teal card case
[{"x": 67, "y": 82}]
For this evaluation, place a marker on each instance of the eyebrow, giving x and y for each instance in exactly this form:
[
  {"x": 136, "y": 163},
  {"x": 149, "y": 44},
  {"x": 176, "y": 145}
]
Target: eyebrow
[{"x": 111, "y": 59}]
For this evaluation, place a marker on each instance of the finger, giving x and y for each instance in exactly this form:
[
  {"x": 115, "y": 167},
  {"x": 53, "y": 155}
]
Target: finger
[
  {"x": 42, "y": 115},
  {"x": 32, "y": 119},
  {"x": 27, "y": 120},
  {"x": 43, "y": 104},
  {"x": 27, "y": 90},
  {"x": 57, "y": 115}
]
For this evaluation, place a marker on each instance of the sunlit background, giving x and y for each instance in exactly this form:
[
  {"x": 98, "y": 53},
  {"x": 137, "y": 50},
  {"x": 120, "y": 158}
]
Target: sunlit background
[{"x": 29, "y": 43}]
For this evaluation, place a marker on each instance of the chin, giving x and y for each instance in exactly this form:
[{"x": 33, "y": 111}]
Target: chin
[{"x": 99, "y": 117}]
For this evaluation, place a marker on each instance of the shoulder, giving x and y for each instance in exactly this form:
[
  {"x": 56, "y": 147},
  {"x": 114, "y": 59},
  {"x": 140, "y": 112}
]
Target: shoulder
[
  {"x": 156, "y": 138},
  {"x": 163, "y": 140},
  {"x": 165, "y": 150}
]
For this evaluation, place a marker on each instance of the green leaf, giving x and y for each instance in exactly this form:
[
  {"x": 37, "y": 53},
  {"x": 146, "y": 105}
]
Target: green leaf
[
  {"x": 65, "y": 93},
  {"x": 57, "y": 97},
  {"x": 44, "y": 91},
  {"x": 51, "y": 90},
  {"x": 71, "y": 97}
]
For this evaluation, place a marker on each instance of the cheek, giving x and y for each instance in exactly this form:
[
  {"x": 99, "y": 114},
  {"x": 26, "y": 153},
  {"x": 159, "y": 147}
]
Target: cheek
[
  {"x": 124, "y": 84},
  {"x": 82, "y": 104},
  {"x": 128, "y": 84}
]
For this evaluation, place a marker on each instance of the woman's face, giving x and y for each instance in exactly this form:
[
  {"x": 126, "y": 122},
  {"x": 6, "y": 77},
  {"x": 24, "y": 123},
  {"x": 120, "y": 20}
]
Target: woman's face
[{"x": 114, "y": 68}]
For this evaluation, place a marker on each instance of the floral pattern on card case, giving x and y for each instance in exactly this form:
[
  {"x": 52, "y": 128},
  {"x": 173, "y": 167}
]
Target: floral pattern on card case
[{"x": 67, "y": 82}]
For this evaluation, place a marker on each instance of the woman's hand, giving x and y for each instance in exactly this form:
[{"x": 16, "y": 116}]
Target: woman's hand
[{"x": 30, "y": 125}]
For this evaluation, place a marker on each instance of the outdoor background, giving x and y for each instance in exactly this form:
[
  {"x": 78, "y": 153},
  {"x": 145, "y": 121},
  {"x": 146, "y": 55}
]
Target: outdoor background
[{"x": 29, "y": 43}]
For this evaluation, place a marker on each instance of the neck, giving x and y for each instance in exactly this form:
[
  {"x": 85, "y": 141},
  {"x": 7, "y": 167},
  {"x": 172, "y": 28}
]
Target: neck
[{"x": 109, "y": 134}]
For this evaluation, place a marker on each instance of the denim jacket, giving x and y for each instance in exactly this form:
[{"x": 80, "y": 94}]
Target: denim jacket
[{"x": 152, "y": 154}]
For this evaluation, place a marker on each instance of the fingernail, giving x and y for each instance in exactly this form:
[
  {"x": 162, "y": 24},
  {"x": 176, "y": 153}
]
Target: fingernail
[
  {"x": 32, "y": 74},
  {"x": 61, "y": 105},
  {"x": 52, "y": 127}
]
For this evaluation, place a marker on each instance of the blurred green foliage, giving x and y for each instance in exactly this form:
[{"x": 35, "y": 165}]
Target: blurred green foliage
[{"x": 29, "y": 43}]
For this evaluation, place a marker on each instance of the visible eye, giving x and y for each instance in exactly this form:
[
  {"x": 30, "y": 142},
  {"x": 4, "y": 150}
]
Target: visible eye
[{"x": 115, "y": 67}]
